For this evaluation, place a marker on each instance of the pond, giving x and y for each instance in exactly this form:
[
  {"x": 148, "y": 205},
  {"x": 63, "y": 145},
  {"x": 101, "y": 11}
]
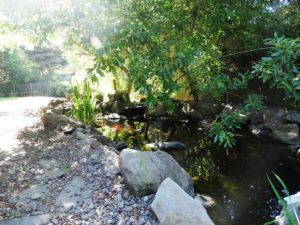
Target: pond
[{"x": 235, "y": 179}]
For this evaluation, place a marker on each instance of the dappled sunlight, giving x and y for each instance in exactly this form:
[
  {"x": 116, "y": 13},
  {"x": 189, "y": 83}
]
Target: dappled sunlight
[{"x": 190, "y": 78}]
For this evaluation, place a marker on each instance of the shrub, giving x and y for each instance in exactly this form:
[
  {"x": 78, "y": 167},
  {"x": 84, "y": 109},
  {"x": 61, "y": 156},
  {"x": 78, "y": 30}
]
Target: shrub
[{"x": 280, "y": 69}]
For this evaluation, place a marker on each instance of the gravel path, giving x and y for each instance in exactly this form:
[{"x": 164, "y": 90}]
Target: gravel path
[{"x": 58, "y": 181}]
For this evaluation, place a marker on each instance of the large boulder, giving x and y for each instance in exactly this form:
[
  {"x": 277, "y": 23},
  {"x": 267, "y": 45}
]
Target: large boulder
[
  {"x": 172, "y": 205},
  {"x": 52, "y": 121},
  {"x": 144, "y": 171},
  {"x": 287, "y": 133}
]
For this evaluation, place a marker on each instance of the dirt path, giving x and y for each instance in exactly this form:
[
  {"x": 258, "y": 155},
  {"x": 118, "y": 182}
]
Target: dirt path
[{"x": 15, "y": 115}]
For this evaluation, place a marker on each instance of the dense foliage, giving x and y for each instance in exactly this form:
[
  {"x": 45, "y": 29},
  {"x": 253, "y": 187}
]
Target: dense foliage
[
  {"x": 281, "y": 68},
  {"x": 159, "y": 42},
  {"x": 18, "y": 68}
]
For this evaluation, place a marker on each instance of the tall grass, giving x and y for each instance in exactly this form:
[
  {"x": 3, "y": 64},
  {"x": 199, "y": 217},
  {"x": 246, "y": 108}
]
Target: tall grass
[
  {"x": 286, "y": 211},
  {"x": 84, "y": 103}
]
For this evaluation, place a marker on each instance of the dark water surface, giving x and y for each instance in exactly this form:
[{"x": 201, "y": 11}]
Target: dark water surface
[{"x": 237, "y": 179}]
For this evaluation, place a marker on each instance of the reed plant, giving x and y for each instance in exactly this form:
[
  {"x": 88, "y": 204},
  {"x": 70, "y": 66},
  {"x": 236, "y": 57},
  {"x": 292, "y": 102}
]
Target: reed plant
[{"x": 84, "y": 102}]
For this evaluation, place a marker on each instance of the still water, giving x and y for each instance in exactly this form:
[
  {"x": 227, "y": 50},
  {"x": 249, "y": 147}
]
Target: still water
[{"x": 236, "y": 180}]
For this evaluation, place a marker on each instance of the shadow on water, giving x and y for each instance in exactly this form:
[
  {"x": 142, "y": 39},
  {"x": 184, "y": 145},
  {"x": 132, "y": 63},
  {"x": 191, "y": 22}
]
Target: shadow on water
[{"x": 237, "y": 180}]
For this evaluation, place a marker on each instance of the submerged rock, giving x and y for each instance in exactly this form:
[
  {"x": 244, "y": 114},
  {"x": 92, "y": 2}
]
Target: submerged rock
[
  {"x": 287, "y": 133},
  {"x": 172, "y": 205},
  {"x": 144, "y": 171}
]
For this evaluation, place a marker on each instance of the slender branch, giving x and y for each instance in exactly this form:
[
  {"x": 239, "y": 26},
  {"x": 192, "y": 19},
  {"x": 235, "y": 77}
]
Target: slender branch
[{"x": 243, "y": 52}]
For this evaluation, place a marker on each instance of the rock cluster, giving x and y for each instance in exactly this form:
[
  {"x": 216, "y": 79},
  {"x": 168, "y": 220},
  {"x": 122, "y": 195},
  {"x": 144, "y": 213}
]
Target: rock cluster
[{"x": 74, "y": 177}]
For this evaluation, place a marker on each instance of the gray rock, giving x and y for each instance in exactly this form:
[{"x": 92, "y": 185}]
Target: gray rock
[
  {"x": 28, "y": 220},
  {"x": 68, "y": 129},
  {"x": 51, "y": 174},
  {"x": 273, "y": 117},
  {"x": 79, "y": 129},
  {"x": 95, "y": 158},
  {"x": 292, "y": 117},
  {"x": 206, "y": 200},
  {"x": 127, "y": 208},
  {"x": 144, "y": 171},
  {"x": 48, "y": 163},
  {"x": 56, "y": 102},
  {"x": 36, "y": 196},
  {"x": 110, "y": 160},
  {"x": 287, "y": 133},
  {"x": 172, "y": 205},
  {"x": 259, "y": 130},
  {"x": 80, "y": 136},
  {"x": 121, "y": 222},
  {"x": 90, "y": 141},
  {"x": 194, "y": 115},
  {"x": 28, "y": 196},
  {"x": 69, "y": 197},
  {"x": 121, "y": 204},
  {"x": 118, "y": 198},
  {"x": 166, "y": 146},
  {"x": 102, "y": 139},
  {"x": 293, "y": 205},
  {"x": 52, "y": 121}
]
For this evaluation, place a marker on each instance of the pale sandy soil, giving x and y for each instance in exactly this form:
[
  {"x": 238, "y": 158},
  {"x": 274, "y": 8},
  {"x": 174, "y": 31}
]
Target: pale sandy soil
[{"x": 15, "y": 115}]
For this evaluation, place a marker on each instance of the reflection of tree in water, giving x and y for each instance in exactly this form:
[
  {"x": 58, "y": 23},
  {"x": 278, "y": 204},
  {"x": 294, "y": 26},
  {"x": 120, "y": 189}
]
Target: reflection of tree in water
[{"x": 199, "y": 159}]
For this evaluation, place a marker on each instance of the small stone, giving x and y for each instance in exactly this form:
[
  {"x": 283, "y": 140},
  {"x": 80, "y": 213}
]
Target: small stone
[
  {"x": 141, "y": 221},
  {"x": 126, "y": 194},
  {"x": 118, "y": 198},
  {"x": 121, "y": 222},
  {"x": 95, "y": 158},
  {"x": 90, "y": 141},
  {"x": 80, "y": 136},
  {"x": 128, "y": 208},
  {"x": 145, "y": 199},
  {"x": 36, "y": 196},
  {"x": 55, "y": 221},
  {"x": 121, "y": 204}
]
